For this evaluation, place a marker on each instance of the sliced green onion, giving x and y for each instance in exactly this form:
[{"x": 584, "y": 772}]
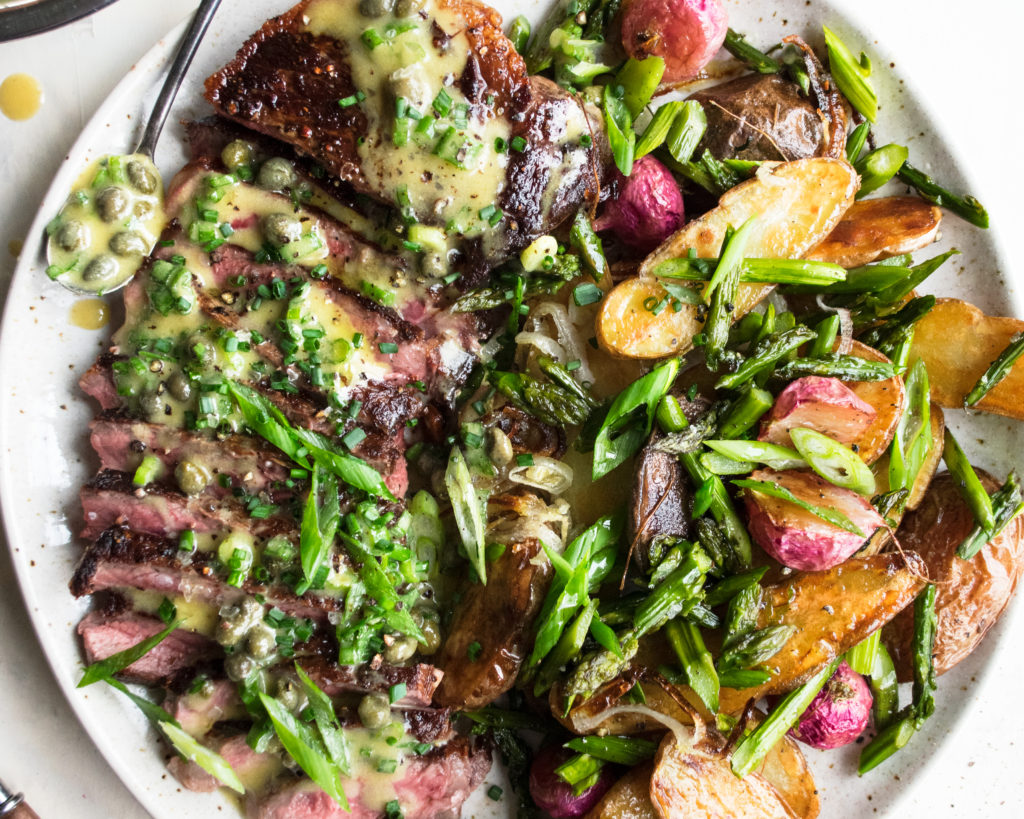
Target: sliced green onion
[
  {"x": 832, "y": 516},
  {"x": 968, "y": 483},
  {"x": 771, "y": 455},
  {"x": 639, "y": 80},
  {"x": 851, "y": 75},
  {"x": 753, "y": 748},
  {"x": 837, "y": 464},
  {"x": 207, "y": 759},
  {"x": 469, "y": 507},
  {"x": 879, "y": 166}
]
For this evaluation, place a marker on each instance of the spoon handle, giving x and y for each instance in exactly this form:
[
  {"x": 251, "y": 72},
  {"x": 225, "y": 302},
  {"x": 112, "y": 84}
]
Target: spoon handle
[{"x": 182, "y": 60}]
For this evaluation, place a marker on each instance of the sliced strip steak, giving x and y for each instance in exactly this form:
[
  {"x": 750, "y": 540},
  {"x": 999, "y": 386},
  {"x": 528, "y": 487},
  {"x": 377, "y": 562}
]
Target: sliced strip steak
[
  {"x": 106, "y": 634},
  {"x": 432, "y": 786},
  {"x": 286, "y": 80},
  {"x": 112, "y": 499},
  {"x": 124, "y": 559}
]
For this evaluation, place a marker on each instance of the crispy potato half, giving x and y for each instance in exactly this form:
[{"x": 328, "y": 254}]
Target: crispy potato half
[
  {"x": 889, "y": 399},
  {"x": 874, "y": 229},
  {"x": 971, "y": 594},
  {"x": 832, "y": 611},
  {"x": 784, "y": 767},
  {"x": 798, "y": 204},
  {"x": 698, "y": 781},
  {"x": 977, "y": 340},
  {"x": 629, "y": 798}
]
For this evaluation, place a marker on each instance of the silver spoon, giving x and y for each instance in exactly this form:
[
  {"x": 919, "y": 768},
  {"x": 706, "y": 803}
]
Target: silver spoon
[{"x": 111, "y": 222}]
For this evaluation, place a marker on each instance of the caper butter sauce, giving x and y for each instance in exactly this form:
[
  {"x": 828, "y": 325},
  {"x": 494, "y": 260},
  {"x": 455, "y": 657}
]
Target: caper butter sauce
[
  {"x": 420, "y": 126},
  {"x": 108, "y": 225}
]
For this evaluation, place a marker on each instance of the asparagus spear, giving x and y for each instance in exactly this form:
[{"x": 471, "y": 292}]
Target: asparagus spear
[
  {"x": 997, "y": 370},
  {"x": 966, "y": 207}
]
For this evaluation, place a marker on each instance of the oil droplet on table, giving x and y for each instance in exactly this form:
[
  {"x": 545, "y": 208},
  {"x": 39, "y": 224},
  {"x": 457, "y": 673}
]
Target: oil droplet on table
[
  {"x": 20, "y": 96},
  {"x": 14, "y": 247},
  {"x": 90, "y": 314}
]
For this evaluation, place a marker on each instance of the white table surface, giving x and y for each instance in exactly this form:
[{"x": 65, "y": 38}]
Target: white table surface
[{"x": 967, "y": 51}]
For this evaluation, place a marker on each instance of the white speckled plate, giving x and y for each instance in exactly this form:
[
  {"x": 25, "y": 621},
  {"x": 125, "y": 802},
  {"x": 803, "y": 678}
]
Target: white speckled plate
[{"x": 45, "y": 457}]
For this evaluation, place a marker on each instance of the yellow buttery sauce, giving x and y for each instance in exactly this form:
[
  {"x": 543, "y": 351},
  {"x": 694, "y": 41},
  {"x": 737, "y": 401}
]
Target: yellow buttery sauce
[{"x": 443, "y": 188}]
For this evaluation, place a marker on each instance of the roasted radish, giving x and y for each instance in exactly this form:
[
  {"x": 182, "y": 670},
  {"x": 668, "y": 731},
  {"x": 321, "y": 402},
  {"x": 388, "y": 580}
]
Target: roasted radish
[
  {"x": 799, "y": 538},
  {"x": 826, "y": 405}
]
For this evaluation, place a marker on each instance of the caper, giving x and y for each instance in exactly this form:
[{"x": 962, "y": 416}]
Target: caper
[
  {"x": 406, "y": 8},
  {"x": 400, "y": 650},
  {"x": 151, "y": 405},
  {"x": 236, "y": 154},
  {"x": 409, "y": 84},
  {"x": 143, "y": 209},
  {"x": 281, "y": 228},
  {"x": 375, "y": 710},
  {"x": 128, "y": 243},
  {"x": 72, "y": 236},
  {"x": 291, "y": 696},
  {"x": 276, "y": 174},
  {"x": 239, "y": 666},
  {"x": 112, "y": 204},
  {"x": 101, "y": 268},
  {"x": 193, "y": 478},
  {"x": 429, "y": 622},
  {"x": 375, "y": 8},
  {"x": 262, "y": 641},
  {"x": 180, "y": 386},
  {"x": 501, "y": 447},
  {"x": 141, "y": 177},
  {"x": 433, "y": 265},
  {"x": 237, "y": 620}
]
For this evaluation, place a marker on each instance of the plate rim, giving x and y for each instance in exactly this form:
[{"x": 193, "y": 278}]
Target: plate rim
[{"x": 144, "y": 76}]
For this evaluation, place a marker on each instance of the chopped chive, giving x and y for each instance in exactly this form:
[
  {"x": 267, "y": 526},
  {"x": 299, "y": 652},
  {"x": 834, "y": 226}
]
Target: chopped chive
[
  {"x": 525, "y": 459},
  {"x": 587, "y": 293},
  {"x": 473, "y": 651},
  {"x": 518, "y": 143},
  {"x": 353, "y": 99},
  {"x": 388, "y": 347},
  {"x": 353, "y": 437},
  {"x": 396, "y": 692},
  {"x": 442, "y": 103}
]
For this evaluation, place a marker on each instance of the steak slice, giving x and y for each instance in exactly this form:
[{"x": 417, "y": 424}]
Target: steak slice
[
  {"x": 112, "y": 499},
  {"x": 106, "y": 634},
  {"x": 432, "y": 786},
  {"x": 286, "y": 82},
  {"x": 124, "y": 559},
  {"x": 420, "y": 680},
  {"x": 218, "y": 701},
  {"x": 252, "y": 768},
  {"x": 122, "y": 442}
]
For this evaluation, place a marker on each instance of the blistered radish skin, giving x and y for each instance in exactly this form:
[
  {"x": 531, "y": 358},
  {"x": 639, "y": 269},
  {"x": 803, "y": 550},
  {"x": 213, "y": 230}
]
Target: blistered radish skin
[
  {"x": 840, "y": 712},
  {"x": 648, "y": 209},
  {"x": 825, "y": 405},
  {"x": 686, "y": 33},
  {"x": 797, "y": 538}
]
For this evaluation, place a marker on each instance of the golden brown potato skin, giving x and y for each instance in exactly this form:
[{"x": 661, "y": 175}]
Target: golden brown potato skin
[
  {"x": 698, "y": 782},
  {"x": 977, "y": 339},
  {"x": 874, "y": 229},
  {"x": 629, "y": 798},
  {"x": 832, "y": 611},
  {"x": 970, "y": 595},
  {"x": 498, "y": 616}
]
